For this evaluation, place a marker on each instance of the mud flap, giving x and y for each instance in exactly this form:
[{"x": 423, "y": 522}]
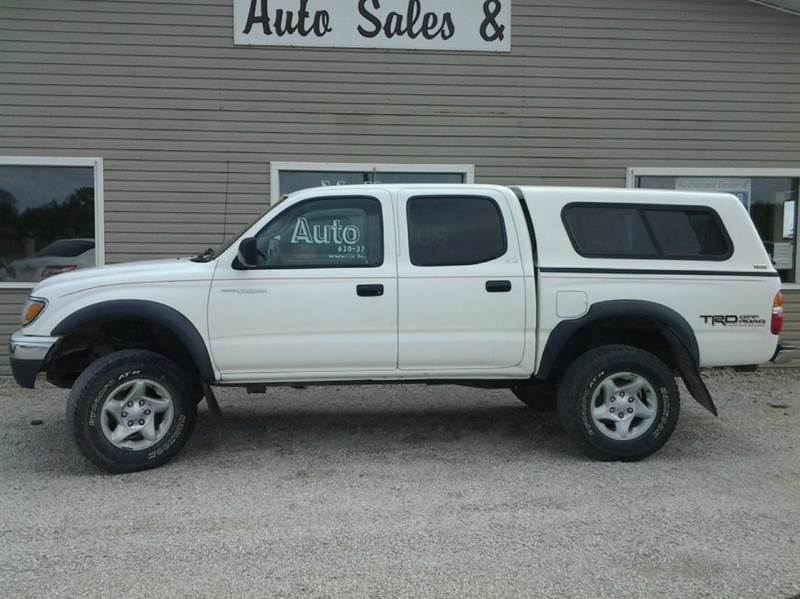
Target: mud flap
[
  {"x": 688, "y": 371},
  {"x": 213, "y": 409}
]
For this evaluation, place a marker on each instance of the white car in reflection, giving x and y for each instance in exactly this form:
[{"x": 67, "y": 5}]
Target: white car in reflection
[{"x": 63, "y": 255}]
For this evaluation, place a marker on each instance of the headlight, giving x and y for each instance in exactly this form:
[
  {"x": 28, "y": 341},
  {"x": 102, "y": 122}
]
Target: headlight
[{"x": 33, "y": 307}]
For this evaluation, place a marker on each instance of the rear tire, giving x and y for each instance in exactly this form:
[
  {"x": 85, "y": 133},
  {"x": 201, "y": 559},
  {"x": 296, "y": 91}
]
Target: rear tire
[
  {"x": 539, "y": 398},
  {"x": 131, "y": 410},
  {"x": 619, "y": 403}
]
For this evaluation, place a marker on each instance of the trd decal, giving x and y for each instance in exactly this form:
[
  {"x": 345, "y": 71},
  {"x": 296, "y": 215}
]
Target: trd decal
[{"x": 733, "y": 320}]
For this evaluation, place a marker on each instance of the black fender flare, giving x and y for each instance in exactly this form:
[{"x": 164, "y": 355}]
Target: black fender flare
[
  {"x": 668, "y": 318},
  {"x": 150, "y": 311}
]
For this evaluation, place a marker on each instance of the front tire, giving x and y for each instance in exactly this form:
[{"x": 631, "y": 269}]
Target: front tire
[
  {"x": 131, "y": 410},
  {"x": 619, "y": 403}
]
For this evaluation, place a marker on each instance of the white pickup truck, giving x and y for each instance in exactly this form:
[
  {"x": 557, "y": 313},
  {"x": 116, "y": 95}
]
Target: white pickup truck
[{"x": 603, "y": 294}]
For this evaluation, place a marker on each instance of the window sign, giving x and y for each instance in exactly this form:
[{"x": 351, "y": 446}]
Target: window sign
[
  {"x": 326, "y": 233},
  {"x": 740, "y": 187},
  {"x": 789, "y": 207},
  {"x": 466, "y": 25}
]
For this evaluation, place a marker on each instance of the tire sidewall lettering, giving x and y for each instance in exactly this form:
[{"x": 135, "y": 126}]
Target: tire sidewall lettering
[
  {"x": 171, "y": 440},
  {"x": 586, "y": 401}
]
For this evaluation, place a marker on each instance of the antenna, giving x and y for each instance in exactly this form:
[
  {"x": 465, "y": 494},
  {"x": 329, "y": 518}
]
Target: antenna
[{"x": 227, "y": 188}]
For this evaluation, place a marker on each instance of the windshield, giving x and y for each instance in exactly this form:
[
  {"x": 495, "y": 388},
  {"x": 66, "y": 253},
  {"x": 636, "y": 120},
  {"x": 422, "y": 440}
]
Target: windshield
[
  {"x": 66, "y": 248},
  {"x": 212, "y": 253}
]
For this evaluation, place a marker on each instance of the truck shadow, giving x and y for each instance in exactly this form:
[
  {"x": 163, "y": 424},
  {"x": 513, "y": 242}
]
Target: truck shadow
[
  {"x": 309, "y": 431},
  {"x": 495, "y": 428}
]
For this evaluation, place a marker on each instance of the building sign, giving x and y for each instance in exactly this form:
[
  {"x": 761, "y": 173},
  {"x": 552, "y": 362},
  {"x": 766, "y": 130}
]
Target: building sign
[
  {"x": 740, "y": 187},
  {"x": 467, "y": 25}
]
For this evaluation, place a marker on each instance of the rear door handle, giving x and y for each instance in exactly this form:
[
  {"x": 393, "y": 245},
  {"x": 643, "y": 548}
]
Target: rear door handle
[
  {"x": 498, "y": 286},
  {"x": 369, "y": 290}
]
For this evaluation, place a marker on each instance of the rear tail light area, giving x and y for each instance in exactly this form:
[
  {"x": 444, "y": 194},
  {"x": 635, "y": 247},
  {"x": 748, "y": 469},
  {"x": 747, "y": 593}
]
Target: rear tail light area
[{"x": 777, "y": 314}]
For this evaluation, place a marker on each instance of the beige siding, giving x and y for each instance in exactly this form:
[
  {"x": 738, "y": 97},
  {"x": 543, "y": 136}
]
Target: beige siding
[
  {"x": 10, "y": 307},
  {"x": 791, "y": 327},
  {"x": 188, "y": 124}
]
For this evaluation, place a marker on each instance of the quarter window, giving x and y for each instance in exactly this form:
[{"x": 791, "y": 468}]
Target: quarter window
[
  {"x": 324, "y": 233},
  {"x": 646, "y": 231},
  {"x": 609, "y": 231},
  {"x": 454, "y": 230}
]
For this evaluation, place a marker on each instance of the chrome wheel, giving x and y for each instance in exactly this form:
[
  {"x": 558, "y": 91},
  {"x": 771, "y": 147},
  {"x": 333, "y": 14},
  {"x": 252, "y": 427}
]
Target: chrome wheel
[
  {"x": 624, "y": 406},
  {"x": 137, "y": 414}
]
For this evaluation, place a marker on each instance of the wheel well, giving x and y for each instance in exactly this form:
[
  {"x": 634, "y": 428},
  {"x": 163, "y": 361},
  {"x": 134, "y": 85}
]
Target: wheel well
[
  {"x": 641, "y": 332},
  {"x": 75, "y": 351}
]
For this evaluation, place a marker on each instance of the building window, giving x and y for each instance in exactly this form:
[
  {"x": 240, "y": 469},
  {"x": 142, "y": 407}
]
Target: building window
[
  {"x": 647, "y": 231},
  {"x": 435, "y": 238},
  {"x": 288, "y": 177},
  {"x": 50, "y": 217},
  {"x": 769, "y": 195}
]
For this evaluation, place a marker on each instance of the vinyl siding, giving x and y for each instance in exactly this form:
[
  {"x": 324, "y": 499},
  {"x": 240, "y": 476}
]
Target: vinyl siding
[
  {"x": 187, "y": 124},
  {"x": 10, "y": 308}
]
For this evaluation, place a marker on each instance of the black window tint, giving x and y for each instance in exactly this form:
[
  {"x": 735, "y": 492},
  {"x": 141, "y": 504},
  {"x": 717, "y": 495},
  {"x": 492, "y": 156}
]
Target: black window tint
[
  {"x": 324, "y": 233},
  {"x": 645, "y": 231},
  {"x": 609, "y": 231},
  {"x": 687, "y": 233},
  {"x": 451, "y": 230}
]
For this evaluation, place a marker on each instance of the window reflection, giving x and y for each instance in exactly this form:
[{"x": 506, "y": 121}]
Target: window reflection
[{"x": 46, "y": 221}]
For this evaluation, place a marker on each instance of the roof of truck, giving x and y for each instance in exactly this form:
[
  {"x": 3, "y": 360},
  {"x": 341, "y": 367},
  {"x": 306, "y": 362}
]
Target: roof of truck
[{"x": 604, "y": 194}]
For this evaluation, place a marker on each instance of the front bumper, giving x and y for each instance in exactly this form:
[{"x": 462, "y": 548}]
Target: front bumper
[
  {"x": 28, "y": 354},
  {"x": 783, "y": 354}
]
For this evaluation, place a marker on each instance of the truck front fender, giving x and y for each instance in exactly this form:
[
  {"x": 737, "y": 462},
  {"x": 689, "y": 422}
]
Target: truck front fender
[{"x": 143, "y": 310}]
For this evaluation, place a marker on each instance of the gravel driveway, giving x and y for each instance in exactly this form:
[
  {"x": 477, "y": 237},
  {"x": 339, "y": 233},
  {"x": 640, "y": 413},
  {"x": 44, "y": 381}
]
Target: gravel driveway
[{"x": 408, "y": 491}]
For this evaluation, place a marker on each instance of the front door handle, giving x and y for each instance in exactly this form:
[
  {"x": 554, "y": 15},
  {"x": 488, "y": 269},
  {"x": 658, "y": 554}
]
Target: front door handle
[
  {"x": 498, "y": 286},
  {"x": 369, "y": 290}
]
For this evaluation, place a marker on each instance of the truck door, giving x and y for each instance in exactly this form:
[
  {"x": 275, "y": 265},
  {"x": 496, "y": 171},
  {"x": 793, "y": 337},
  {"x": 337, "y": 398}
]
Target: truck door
[
  {"x": 461, "y": 281},
  {"x": 322, "y": 298}
]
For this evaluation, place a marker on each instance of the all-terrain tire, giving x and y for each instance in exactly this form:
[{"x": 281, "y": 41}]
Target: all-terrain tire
[
  {"x": 575, "y": 399},
  {"x": 539, "y": 398},
  {"x": 100, "y": 379}
]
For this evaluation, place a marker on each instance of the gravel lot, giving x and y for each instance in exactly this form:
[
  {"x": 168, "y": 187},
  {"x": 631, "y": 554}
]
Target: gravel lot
[{"x": 408, "y": 491}]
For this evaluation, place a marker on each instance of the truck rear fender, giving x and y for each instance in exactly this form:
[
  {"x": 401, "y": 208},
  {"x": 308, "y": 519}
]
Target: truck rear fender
[{"x": 614, "y": 322}]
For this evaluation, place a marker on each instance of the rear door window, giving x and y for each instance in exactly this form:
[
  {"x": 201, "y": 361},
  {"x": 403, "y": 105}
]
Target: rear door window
[
  {"x": 454, "y": 230},
  {"x": 646, "y": 231}
]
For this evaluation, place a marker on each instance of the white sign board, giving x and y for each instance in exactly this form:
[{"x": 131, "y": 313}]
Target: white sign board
[
  {"x": 783, "y": 255},
  {"x": 738, "y": 186},
  {"x": 466, "y": 25}
]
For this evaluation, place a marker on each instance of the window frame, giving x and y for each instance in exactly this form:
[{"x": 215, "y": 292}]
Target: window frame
[
  {"x": 634, "y": 172},
  {"x": 455, "y": 196},
  {"x": 276, "y": 167},
  {"x": 641, "y": 209},
  {"x": 236, "y": 265},
  {"x": 99, "y": 219}
]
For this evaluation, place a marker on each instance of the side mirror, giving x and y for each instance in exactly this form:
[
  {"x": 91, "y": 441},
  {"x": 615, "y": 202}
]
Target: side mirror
[{"x": 248, "y": 252}]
